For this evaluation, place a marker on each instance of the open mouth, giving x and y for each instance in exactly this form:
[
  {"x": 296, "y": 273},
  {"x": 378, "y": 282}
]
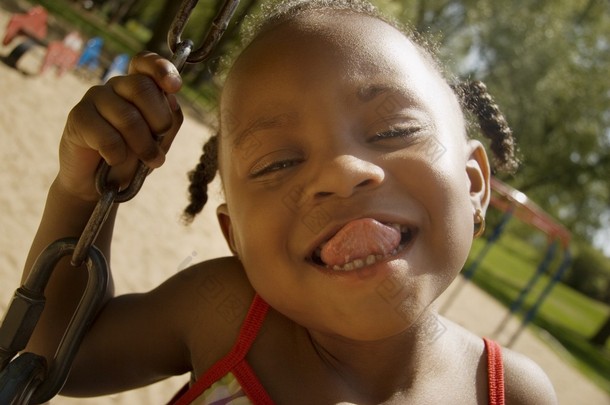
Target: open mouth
[{"x": 407, "y": 234}]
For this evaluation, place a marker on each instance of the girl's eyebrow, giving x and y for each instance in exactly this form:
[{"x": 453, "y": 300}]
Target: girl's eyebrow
[
  {"x": 396, "y": 98},
  {"x": 265, "y": 122},
  {"x": 370, "y": 92}
]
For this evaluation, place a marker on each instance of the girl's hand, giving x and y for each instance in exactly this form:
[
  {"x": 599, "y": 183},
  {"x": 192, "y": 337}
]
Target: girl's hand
[{"x": 121, "y": 122}]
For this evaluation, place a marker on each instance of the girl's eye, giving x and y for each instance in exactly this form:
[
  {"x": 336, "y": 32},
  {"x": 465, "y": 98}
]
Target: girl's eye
[
  {"x": 393, "y": 133},
  {"x": 265, "y": 168}
]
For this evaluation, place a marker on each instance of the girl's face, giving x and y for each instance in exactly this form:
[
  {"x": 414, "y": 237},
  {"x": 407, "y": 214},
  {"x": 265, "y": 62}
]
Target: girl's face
[{"x": 334, "y": 127}]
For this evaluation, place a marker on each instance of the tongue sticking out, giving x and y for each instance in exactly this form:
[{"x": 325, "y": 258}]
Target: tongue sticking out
[{"x": 358, "y": 240}]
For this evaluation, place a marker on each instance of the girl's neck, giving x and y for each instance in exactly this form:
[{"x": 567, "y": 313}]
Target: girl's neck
[{"x": 380, "y": 369}]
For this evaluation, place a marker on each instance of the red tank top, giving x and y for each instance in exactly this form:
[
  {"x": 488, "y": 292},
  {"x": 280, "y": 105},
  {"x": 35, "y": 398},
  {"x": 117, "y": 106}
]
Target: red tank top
[{"x": 235, "y": 363}]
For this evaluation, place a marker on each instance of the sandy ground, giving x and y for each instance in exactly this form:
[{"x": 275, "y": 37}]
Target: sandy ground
[{"x": 151, "y": 244}]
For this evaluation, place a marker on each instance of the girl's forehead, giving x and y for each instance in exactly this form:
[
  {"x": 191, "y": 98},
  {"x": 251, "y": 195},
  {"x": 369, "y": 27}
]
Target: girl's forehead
[
  {"x": 320, "y": 45},
  {"x": 354, "y": 39},
  {"x": 344, "y": 51}
]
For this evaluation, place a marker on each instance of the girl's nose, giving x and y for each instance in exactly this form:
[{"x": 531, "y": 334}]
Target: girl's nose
[{"x": 345, "y": 175}]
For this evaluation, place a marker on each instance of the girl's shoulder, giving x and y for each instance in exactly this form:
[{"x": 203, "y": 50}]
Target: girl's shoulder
[
  {"x": 216, "y": 281},
  {"x": 211, "y": 300},
  {"x": 524, "y": 381}
]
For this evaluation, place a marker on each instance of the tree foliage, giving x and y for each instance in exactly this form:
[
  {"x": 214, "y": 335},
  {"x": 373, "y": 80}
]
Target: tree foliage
[
  {"x": 590, "y": 273},
  {"x": 549, "y": 67}
]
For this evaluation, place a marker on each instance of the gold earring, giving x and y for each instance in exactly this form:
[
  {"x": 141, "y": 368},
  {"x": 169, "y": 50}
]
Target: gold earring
[{"x": 480, "y": 220}]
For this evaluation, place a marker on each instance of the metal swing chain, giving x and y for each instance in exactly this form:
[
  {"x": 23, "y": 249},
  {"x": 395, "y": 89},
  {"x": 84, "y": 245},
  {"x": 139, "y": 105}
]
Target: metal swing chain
[
  {"x": 26, "y": 378},
  {"x": 182, "y": 53}
]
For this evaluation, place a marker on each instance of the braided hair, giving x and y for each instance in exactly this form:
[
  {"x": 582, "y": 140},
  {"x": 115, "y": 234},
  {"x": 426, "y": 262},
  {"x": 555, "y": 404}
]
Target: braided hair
[
  {"x": 475, "y": 98},
  {"x": 200, "y": 177},
  {"x": 473, "y": 95}
]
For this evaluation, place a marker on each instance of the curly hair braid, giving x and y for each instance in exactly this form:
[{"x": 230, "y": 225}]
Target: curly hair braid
[
  {"x": 200, "y": 177},
  {"x": 473, "y": 97},
  {"x": 476, "y": 99}
]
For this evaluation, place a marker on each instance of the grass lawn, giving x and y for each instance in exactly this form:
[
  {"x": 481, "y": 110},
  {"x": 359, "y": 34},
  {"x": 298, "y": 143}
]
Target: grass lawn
[{"x": 569, "y": 316}]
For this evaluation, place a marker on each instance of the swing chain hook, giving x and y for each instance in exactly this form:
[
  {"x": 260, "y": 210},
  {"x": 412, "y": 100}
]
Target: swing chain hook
[
  {"x": 182, "y": 53},
  {"x": 217, "y": 29}
]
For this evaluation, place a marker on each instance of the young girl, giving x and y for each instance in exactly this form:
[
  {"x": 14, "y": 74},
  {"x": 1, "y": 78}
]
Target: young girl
[{"x": 352, "y": 196}]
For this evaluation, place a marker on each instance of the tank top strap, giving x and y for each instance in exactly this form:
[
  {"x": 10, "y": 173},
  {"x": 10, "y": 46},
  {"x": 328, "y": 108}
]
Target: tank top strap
[
  {"x": 250, "y": 328},
  {"x": 234, "y": 359},
  {"x": 495, "y": 372}
]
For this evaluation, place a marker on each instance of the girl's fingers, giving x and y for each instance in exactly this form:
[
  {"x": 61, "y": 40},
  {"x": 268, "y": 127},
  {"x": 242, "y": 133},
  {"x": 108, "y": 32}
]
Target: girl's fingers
[
  {"x": 87, "y": 129},
  {"x": 162, "y": 71},
  {"x": 160, "y": 108},
  {"x": 177, "y": 118},
  {"x": 130, "y": 118},
  {"x": 115, "y": 130},
  {"x": 147, "y": 98},
  {"x": 128, "y": 122}
]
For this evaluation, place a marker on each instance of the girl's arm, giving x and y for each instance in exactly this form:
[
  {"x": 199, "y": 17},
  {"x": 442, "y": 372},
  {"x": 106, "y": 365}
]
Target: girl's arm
[{"x": 119, "y": 122}]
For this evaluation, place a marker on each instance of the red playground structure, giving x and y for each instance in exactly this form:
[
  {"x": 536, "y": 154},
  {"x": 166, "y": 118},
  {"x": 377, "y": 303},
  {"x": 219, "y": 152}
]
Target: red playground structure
[{"x": 514, "y": 203}]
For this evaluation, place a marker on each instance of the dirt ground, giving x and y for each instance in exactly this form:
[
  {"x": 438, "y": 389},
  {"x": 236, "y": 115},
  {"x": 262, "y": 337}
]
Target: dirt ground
[{"x": 151, "y": 244}]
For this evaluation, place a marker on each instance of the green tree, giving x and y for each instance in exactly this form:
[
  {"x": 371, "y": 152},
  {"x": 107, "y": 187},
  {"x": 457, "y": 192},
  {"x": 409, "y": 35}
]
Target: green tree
[{"x": 548, "y": 65}]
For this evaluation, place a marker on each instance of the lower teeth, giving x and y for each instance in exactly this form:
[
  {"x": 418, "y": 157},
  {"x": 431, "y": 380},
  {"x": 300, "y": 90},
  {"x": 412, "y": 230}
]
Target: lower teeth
[{"x": 371, "y": 259}]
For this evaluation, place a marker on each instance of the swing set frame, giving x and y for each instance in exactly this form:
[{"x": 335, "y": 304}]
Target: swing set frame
[{"x": 515, "y": 204}]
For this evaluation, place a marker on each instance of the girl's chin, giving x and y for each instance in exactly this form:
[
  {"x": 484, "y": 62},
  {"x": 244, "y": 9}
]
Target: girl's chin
[
  {"x": 371, "y": 328},
  {"x": 373, "y": 333}
]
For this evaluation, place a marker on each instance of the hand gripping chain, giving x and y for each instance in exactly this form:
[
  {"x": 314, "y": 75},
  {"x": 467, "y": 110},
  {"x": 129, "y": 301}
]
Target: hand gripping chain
[{"x": 26, "y": 378}]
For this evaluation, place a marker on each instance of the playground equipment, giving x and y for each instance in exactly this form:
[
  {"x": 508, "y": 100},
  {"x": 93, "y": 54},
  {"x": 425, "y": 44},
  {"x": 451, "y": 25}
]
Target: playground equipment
[
  {"x": 26, "y": 378},
  {"x": 514, "y": 203},
  {"x": 118, "y": 67},
  {"x": 90, "y": 58},
  {"x": 32, "y": 25},
  {"x": 63, "y": 54}
]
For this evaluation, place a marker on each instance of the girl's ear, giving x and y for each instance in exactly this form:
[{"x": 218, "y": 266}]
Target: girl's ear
[
  {"x": 478, "y": 172},
  {"x": 224, "y": 219}
]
